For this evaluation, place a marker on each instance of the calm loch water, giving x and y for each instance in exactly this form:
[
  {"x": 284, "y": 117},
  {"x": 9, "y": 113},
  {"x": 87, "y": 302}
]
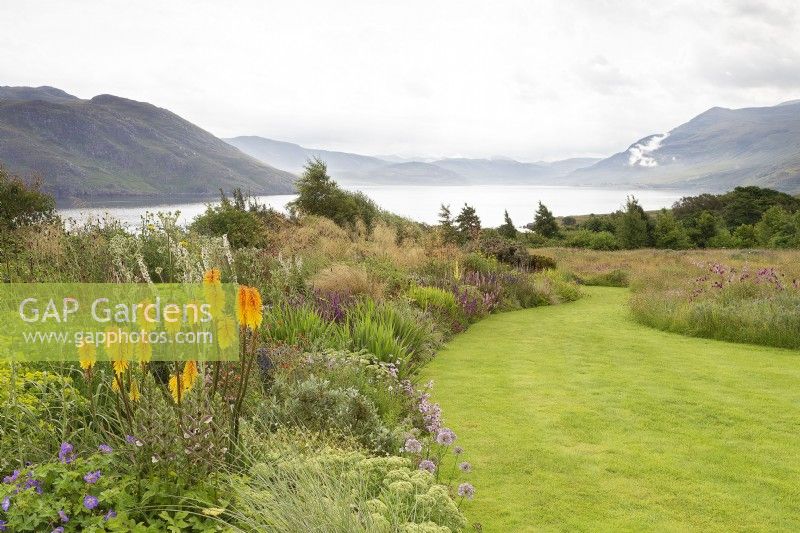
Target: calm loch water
[{"x": 422, "y": 203}]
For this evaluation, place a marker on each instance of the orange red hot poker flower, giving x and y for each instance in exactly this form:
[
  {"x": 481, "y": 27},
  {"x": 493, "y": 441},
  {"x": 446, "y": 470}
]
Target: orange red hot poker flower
[{"x": 248, "y": 307}]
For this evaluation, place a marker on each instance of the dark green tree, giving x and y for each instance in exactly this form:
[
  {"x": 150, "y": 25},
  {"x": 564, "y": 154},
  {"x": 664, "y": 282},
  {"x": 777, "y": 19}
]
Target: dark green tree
[
  {"x": 706, "y": 227},
  {"x": 319, "y": 195},
  {"x": 669, "y": 233},
  {"x": 507, "y": 229},
  {"x": 544, "y": 223},
  {"x": 446, "y": 226},
  {"x": 633, "y": 226},
  {"x": 23, "y": 204},
  {"x": 468, "y": 223}
]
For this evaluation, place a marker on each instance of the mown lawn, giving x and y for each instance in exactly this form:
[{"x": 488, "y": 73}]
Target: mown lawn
[{"x": 577, "y": 418}]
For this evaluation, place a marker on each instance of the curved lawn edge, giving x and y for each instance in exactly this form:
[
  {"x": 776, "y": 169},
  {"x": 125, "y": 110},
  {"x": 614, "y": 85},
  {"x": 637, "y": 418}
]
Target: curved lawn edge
[{"x": 577, "y": 417}]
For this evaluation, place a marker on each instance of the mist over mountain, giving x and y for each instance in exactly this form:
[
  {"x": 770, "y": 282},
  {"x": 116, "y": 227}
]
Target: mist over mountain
[
  {"x": 293, "y": 157},
  {"x": 715, "y": 151},
  {"x": 114, "y": 146},
  {"x": 355, "y": 169}
]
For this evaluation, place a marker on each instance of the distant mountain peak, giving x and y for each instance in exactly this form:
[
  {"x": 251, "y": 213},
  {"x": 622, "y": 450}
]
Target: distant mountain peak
[
  {"x": 44, "y": 93},
  {"x": 115, "y": 146},
  {"x": 717, "y": 150}
]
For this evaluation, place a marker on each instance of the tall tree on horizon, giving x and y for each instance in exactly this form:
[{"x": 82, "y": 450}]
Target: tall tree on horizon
[
  {"x": 446, "y": 226},
  {"x": 544, "y": 223},
  {"x": 508, "y": 229},
  {"x": 469, "y": 224}
]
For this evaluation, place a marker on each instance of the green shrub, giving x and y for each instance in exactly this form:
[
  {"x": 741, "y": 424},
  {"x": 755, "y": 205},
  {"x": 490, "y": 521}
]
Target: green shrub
[
  {"x": 391, "y": 333},
  {"x": 559, "y": 286},
  {"x": 243, "y": 227},
  {"x": 297, "y": 325},
  {"x": 612, "y": 278},
  {"x": 44, "y": 496},
  {"x": 316, "y": 404},
  {"x": 475, "y": 262},
  {"x": 595, "y": 240},
  {"x": 326, "y": 489}
]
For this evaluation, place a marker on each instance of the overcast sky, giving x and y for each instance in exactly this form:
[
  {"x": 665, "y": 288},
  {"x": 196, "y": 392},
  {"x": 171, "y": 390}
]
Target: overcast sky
[{"x": 527, "y": 79}]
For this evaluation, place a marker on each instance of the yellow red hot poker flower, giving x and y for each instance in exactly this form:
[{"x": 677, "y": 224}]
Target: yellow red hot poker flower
[{"x": 248, "y": 307}]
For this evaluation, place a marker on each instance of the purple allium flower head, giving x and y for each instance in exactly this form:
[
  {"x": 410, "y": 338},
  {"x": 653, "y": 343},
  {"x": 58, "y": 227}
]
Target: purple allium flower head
[
  {"x": 92, "y": 477},
  {"x": 90, "y": 502},
  {"x": 65, "y": 453},
  {"x": 63, "y": 516},
  {"x": 413, "y": 445},
  {"x": 12, "y": 478},
  {"x": 105, "y": 448},
  {"x": 6, "y": 503},
  {"x": 458, "y": 450},
  {"x": 445, "y": 437},
  {"x": 465, "y": 490},
  {"x": 428, "y": 465},
  {"x": 109, "y": 515},
  {"x": 465, "y": 467}
]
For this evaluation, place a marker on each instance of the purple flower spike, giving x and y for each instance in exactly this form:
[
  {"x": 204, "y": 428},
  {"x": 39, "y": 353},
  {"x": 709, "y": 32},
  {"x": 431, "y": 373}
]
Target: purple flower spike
[
  {"x": 90, "y": 502},
  {"x": 465, "y": 490},
  {"x": 92, "y": 477},
  {"x": 65, "y": 454},
  {"x": 105, "y": 448}
]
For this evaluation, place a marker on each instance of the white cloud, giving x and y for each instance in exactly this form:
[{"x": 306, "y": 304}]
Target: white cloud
[{"x": 641, "y": 153}]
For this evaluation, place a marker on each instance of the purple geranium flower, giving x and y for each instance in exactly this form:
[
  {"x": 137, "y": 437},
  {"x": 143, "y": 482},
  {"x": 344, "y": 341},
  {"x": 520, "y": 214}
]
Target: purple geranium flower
[
  {"x": 3, "y": 525},
  {"x": 92, "y": 477},
  {"x": 428, "y": 465},
  {"x": 65, "y": 454},
  {"x": 90, "y": 502},
  {"x": 109, "y": 515},
  {"x": 12, "y": 478},
  {"x": 32, "y": 483},
  {"x": 413, "y": 445},
  {"x": 63, "y": 516},
  {"x": 6, "y": 503},
  {"x": 59, "y": 529},
  {"x": 105, "y": 448},
  {"x": 465, "y": 490},
  {"x": 465, "y": 467}
]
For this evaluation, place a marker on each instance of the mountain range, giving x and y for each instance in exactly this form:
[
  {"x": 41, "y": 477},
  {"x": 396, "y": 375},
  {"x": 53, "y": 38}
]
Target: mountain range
[
  {"x": 354, "y": 169},
  {"x": 112, "y": 146},
  {"x": 715, "y": 151}
]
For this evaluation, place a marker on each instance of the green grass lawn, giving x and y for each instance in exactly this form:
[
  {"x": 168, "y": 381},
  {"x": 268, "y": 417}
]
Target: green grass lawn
[{"x": 575, "y": 417}]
